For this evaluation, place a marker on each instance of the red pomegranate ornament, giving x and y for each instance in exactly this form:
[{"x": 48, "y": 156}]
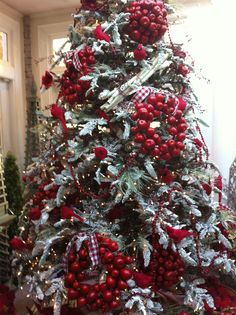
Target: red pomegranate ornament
[
  {"x": 166, "y": 141},
  {"x": 82, "y": 284},
  {"x": 147, "y": 21}
]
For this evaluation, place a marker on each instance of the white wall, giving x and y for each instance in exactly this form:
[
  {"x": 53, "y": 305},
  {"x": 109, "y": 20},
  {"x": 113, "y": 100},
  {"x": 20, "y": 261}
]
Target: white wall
[
  {"x": 223, "y": 76},
  {"x": 210, "y": 27}
]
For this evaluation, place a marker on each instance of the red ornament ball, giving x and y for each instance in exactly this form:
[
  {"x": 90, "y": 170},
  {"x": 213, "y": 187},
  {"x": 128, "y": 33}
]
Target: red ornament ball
[
  {"x": 70, "y": 278},
  {"x": 113, "y": 246},
  {"x": 81, "y": 302},
  {"x": 147, "y": 22},
  {"x": 100, "y": 153},
  {"x": 72, "y": 294},
  {"x": 75, "y": 267},
  {"x": 125, "y": 274},
  {"x": 181, "y": 104}
]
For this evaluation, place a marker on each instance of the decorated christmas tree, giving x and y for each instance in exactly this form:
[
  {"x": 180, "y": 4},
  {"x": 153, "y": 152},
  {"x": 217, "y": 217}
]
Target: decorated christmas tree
[{"x": 124, "y": 211}]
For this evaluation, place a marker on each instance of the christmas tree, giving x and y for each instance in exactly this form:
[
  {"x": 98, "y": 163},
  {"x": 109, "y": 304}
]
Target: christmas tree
[
  {"x": 14, "y": 190},
  {"x": 122, "y": 215}
]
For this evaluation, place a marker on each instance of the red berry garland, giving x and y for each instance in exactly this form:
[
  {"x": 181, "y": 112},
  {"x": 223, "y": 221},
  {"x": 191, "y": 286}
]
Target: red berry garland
[
  {"x": 73, "y": 89},
  {"x": 148, "y": 21},
  {"x": 96, "y": 296},
  {"x": 169, "y": 112}
]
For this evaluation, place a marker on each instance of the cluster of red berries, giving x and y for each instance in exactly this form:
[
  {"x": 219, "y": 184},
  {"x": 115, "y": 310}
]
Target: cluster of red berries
[
  {"x": 38, "y": 198},
  {"x": 170, "y": 114},
  {"x": 73, "y": 89},
  {"x": 148, "y": 21},
  {"x": 166, "y": 267},
  {"x": 105, "y": 295}
]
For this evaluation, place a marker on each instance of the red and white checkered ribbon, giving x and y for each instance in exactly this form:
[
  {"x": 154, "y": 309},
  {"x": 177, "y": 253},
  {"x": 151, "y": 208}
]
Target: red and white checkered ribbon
[
  {"x": 74, "y": 56},
  {"x": 92, "y": 248},
  {"x": 141, "y": 94}
]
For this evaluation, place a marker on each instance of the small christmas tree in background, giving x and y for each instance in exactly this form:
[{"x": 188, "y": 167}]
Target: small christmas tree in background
[
  {"x": 14, "y": 190},
  {"x": 120, "y": 216}
]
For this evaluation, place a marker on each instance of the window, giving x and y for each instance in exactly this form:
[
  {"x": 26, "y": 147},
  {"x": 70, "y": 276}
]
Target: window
[
  {"x": 57, "y": 43},
  {"x": 3, "y": 47}
]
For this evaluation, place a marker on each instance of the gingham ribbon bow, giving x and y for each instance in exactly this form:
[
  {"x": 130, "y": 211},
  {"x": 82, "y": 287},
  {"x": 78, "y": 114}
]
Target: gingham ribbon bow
[
  {"x": 74, "y": 56},
  {"x": 92, "y": 248},
  {"x": 141, "y": 94}
]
